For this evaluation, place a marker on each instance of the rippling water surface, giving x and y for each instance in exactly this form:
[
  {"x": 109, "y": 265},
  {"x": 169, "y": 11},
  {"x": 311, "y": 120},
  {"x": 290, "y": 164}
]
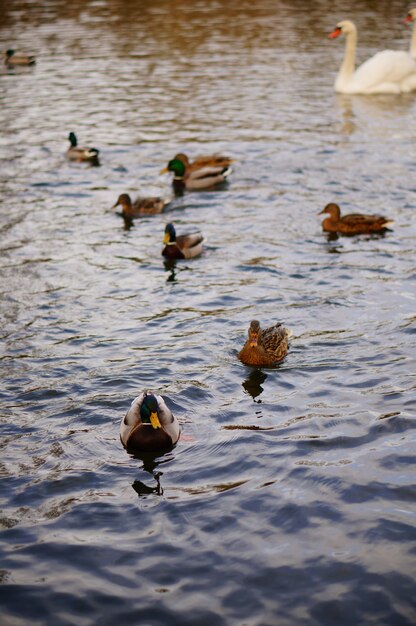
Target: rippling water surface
[{"x": 290, "y": 497}]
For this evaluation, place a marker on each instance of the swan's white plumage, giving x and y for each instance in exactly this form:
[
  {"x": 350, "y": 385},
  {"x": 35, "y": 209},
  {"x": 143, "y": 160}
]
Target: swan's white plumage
[{"x": 389, "y": 71}]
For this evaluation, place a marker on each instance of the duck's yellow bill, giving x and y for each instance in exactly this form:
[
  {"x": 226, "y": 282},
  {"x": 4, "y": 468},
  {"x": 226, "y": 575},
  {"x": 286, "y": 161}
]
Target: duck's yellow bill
[
  {"x": 154, "y": 420},
  {"x": 166, "y": 239},
  {"x": 164, "y": 171}
]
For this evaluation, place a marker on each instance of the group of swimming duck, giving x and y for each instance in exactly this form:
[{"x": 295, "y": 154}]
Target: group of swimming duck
[{"x": 149, "y": 425}]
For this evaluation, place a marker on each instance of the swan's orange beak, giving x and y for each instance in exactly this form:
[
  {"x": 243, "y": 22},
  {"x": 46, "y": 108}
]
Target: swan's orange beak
[
  {"x": 335, "y": 33},
  {"x": 408, "y": 18}
]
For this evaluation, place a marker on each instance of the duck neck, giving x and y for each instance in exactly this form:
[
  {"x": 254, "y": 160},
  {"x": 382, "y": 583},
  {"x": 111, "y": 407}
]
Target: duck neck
[
  {"x": 348, "y": 65},
  {"x": 413, "y": 41}
]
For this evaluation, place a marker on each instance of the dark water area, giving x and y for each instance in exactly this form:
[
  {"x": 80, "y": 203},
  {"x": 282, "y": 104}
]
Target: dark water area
[{"x": 290, "y": 497}]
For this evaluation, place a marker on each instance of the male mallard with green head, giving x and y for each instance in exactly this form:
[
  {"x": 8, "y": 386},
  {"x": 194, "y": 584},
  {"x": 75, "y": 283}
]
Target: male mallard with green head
[
  {"x": 81, "y": 153},
  {"x": 149, "y": 425},
  {"x": 18, "y": 58},
  {"x": 353, "y": 223},
  {"x": 140, "y": 206},
  {"x": 265, "y": 347},
  {"x": 198, "y": 179},
  {"x": 186, "y": 246}
]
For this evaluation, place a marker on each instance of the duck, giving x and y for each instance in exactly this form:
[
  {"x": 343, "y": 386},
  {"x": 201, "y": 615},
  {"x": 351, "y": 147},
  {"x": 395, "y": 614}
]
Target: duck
[
  {"x": 213, "y": 160},
  {"x": 140, "y": 206},
  {"x": 388, "y": 71},
  {"x": 411, "y": 17},
  {"x": 265, "y": 347},
  {"x": 185, "y": 246},
  {"x": 13, "y": 58},
  {"x": 197, "y": 179},
  {"x": 353, "y": 223},
  {"x": 149, "y": 425},
  {"x": 80, "y": 153}
]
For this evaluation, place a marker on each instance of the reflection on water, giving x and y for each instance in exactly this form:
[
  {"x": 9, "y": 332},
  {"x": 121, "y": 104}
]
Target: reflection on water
[
  {"x": 145, "y": 490},
  {"x": 304, "y": 514},
  {"x": 253, "y": 383}
]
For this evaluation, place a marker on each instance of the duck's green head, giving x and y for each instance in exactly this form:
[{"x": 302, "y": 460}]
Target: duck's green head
[
  {"x": 149, "y": 411},
  {"x": 9, "y": 53},
  {"x": 73, "y": 139},
  {"x": 177, "y": 167},
  {"x": 170, "y": 234}
]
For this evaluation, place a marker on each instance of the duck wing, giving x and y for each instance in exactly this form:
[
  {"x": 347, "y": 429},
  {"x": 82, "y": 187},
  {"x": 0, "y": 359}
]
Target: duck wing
[
  {"x": 275, "y": 340},
  {"x": 150, "y": 205},
  {"x": 167, "y": 420},
  {"x": 359, "y": 222},
  {"x": 131, "y": 419},
  {"x": 190, "y": 244},
  {"x": 206, "y": 177},
  {"x": 214, "y": 160}
]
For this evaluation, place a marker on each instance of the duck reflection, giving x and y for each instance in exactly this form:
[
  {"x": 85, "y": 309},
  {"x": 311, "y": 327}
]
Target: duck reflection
[
  {"x": 170, "y": 266},
  {"x": 253, "y": 384},
  {"x": 128, "y": 222},
  {"x": 150, "y": 465}
]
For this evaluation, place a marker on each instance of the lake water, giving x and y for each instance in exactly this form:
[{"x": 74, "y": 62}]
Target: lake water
[{"x": 290, "y": 498}]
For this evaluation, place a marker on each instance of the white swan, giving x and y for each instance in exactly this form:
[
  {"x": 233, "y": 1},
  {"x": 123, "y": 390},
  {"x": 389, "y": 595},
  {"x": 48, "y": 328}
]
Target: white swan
[
  {"x": 411, "y": 17},
  {"x": 389, "y": 71}
]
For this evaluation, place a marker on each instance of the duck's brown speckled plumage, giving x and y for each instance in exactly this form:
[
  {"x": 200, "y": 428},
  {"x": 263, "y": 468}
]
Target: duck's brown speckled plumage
[
  {"x": 265, "y": 347},
  {"x": 140, "y": 206},
  {"x": 353, "y": 223}
]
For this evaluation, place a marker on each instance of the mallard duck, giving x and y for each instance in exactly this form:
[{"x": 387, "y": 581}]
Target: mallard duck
[
  {"x": 265, "y": 347},
  {"x": 141, "y": 206},
  {"x": 13, "y": 58},
  {"x": 149, "y": 424},
  {"x": 353, "y": 223},
  {"x": 213, "y": 160},
  {"x": 80, "y": 153},
  {"x": 196, "y": 180},
  {"x": 181, "y": 246}
]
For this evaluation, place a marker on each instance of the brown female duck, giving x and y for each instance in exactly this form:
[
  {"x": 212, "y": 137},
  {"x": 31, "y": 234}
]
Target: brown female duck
[
  {"x": 265, "y": 347},
  {"x": 185, "y": 246},
  {"x": 149, "y": 424},
  {"x": 353, "y": 223},
  {"x": 140, "y": 207}
]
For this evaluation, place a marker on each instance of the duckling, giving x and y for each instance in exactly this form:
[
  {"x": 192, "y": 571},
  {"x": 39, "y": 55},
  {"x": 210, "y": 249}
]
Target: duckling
[
  {"x": 353, "y": 223},
  {"x": 149, "y": 424},
  {"x": 141, "y": 206},
  {"x": 181, "y": 246},
  {"x": 196, "y": 180},
  {"x": 265, "y": 348},
  {"x": 79, "y": 153},
  {"x": 214, "y": 160},
  {"x": 13, "y": 58}
]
